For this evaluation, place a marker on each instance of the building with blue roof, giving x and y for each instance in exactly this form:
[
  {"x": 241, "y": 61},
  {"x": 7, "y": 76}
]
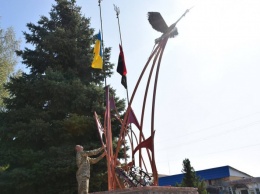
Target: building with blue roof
[
  {"x": 208, "y": 175},
  {"x": 220, "y": 180}
]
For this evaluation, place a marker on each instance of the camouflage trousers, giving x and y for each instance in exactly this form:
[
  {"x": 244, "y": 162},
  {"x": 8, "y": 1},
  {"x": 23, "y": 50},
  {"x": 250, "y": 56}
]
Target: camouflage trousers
[{"x": 83, "y": 184}]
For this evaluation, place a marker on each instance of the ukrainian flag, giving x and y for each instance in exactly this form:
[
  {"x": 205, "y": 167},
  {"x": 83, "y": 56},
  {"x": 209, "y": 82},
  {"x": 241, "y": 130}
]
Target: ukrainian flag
[{"x": 97, "y": 60}]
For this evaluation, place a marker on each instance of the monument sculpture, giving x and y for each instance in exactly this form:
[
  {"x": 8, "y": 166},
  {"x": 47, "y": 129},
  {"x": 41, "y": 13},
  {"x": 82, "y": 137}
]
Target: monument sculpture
[
  {"x": 138, "y": 168},
  {"x": 83, "y": 162}
]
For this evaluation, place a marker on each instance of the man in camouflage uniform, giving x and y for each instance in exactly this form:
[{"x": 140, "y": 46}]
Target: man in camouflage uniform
[{"x": 83, "y": 162}]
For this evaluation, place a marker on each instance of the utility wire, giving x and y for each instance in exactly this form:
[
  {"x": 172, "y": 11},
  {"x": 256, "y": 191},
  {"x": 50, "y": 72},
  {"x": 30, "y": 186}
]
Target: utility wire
[
  {"x": 215, "y": 152},
  {"x": 212, "y": 136},
  {"x": 210, "y": 127}
]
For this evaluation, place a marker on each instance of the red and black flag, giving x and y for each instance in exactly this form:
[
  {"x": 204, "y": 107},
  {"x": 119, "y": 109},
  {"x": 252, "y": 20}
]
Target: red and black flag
[{"x": 121, "y": 68}]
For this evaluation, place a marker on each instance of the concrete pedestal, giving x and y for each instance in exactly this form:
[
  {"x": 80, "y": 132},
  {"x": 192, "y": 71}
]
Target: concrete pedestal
[{"x": 152, "y": 190}]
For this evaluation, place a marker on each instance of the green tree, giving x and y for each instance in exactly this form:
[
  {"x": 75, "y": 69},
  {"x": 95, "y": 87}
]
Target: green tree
[
  {"x": 190, "y": 179},
  {"x": 8, "y": 45},
  {"x": 50, "y": 109}
]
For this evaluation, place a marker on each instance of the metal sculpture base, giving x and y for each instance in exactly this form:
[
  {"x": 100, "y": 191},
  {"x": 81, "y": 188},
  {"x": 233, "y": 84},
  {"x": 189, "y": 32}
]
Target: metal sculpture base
[{"x": 153, "y": 190}]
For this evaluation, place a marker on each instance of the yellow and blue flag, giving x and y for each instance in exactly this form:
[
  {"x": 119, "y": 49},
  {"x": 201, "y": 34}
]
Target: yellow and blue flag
[{"x": 97, "y": 60}]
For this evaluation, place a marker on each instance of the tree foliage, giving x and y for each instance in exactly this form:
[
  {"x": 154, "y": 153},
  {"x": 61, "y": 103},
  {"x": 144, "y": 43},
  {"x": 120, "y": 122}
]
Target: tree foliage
[
  {"x": 190, "y": 178},
  {"x": 8, "y": 45},
  {"x": 50, "y": 109}
]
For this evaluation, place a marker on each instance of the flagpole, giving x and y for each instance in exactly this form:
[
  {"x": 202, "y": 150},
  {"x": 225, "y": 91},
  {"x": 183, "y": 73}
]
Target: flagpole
[
  {"x": 102, "y": 42},
  {"x": 107, "y": 123},
  {"x": 117, "y": 10}
]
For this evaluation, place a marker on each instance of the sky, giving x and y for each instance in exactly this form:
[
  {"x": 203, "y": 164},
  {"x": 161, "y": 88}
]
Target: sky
[{"x": 207, "y": 103}]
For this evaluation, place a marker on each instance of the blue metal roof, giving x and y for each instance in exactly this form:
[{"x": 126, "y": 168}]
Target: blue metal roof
[
  {"x": 208, "y": 174},
  {"x": 170, "y": 180}
]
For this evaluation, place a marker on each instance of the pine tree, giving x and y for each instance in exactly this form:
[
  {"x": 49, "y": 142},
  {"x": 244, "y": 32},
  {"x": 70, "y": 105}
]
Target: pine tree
[
  {"x": 50, "y": 109},
  {"x": 190, "y": 178}
]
